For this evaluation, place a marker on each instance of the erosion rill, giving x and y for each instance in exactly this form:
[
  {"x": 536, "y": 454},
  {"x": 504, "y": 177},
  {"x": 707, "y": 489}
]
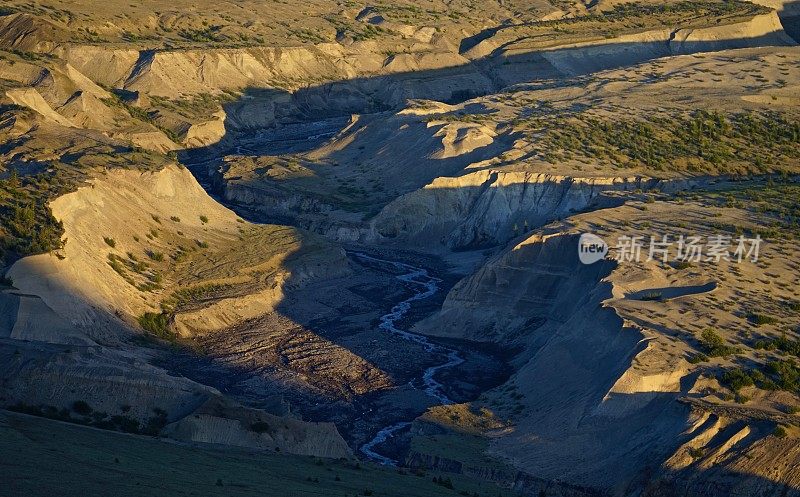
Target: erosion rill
[{"x": 411, "y": 248}]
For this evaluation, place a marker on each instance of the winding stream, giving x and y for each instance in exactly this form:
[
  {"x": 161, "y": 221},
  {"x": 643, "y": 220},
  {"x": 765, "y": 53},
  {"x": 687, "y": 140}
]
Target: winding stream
[{"x": 425, "y": 287}]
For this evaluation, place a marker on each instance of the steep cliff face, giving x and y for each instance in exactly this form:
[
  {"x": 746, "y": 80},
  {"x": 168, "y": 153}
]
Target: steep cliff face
[
  {"x": 489, "y": 207},
  {"x": 179, "y": 73},
  {"x": 62, "y": 95},
  {"x": 588, "y": 57},
  {"x": 219, "y": 424},
  {"x": 605, "y": 395},
  {"x": 571, "y": 424},
  {"x": 120, "y": 206},
  {"x": 287, "y": 84},
  {"x": 539, "y": 296},
  {"x": 440, "y": 71},
  {"x": 205, "y": 133},
  {"x": 37, "y": 372},
  {"x": 766, "y": 29},
  {"x": 478, "y": 209},
  {"x": 731, "y": 456},
  {"x": 136, "y": 241},
  {"x": 145, "y": 214},
  {"x": 511, "y": 296}
]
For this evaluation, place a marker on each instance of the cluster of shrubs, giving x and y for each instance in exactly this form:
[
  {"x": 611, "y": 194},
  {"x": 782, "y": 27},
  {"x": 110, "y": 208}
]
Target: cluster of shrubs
[
  {"x": 783, "y": 344},
  {"x": 157, "y": 324},
  {"x": 121, "y": 266},
  {"x": 261, "y": 427},
  {"x": 27, "y": 225},
  {"x": 780, "y": 374},
  {"x": 185, "y": 296},
  {"x": 82, "y": 413},
  {"x": 701, "y": 140},
  {"x": 209, "y": 34},
  {"x": 713, "y": 345},
  {"x": 141, "y": 115},
  {"x": 777, "y": 375},
  {"x": 658, "y": 12},
  {"x": 443, "y": 482},
  {"x": 762, "y": 319}
]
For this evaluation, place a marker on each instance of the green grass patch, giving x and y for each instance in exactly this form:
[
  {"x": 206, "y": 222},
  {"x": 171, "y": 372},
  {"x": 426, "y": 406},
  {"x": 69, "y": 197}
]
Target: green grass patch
[
  {"x": 713, "y": 344},
  {"x": 66, "y": 459},
  {"x": 156, "y": 324}
]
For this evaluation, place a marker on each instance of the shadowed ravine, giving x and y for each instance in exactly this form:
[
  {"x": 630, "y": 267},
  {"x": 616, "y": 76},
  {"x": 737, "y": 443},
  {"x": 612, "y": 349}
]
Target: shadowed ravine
[{"x": 425, "y": 287}]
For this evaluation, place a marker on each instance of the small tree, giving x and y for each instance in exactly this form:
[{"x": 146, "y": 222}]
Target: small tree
[{"x": 81, "y": 407}]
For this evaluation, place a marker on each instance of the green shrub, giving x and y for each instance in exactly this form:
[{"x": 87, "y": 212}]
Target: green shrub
[
  {"x": 155, "y": 423},
  {"x": 203, "y": 219},
  {"x": 696, "y": 453},
  {"x": 156, "y": 324},
  {"x": 698, "y": 358},
  {"x": 786, "y": 373},
  {"x": 82, "y": 408},
  {"x": 156, "y": 256},
  {"x": 780, "y": 432},
  {"x": 26, "y": 220},
  {"x": 714, "y": 346},
  {"x": 110, "y": 241},
  {"x": 260, "y": 427},
  {"x": 125, "y": 423},
  {"x": 761, "y": 319},
  {"x": 443, "y": 482},
  {"x": 782, "y": 343},
  {"x": 185, "y": 296},
  {"x": 736, "y": 379},
  {"x": 148, "y": 286},
  {"x": 711, "y": 339},
  {"x": 116, "y": 265},
  {"x": 652, "y": 295}
]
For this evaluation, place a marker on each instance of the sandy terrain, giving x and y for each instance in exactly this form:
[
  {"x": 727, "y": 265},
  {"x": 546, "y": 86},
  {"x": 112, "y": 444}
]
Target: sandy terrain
[{"x": 185, "y": 191}]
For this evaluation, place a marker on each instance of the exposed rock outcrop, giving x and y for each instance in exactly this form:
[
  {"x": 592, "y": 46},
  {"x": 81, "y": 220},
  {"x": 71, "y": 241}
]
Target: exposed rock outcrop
[
  {"x": 220, "y": 424},
  {"x": 489, "y": 207},
  {"x": 67, "y": 329},
  {"x": 588, "y": 57}
]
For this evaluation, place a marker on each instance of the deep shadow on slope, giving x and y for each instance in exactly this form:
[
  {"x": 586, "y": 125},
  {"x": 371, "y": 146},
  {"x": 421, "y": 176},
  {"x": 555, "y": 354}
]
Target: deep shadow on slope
[
  {"x": 272, "y": 107},
  {"x": 274, "y": 122},
  {"x": 295, "y": 359},
  {"x": 579, "y": 420},
  {"x": 790, "y": 19},
  {"x": 366, "y": 95}
]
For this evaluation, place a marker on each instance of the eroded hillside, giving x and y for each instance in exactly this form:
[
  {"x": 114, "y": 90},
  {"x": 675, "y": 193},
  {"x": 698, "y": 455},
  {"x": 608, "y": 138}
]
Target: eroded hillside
[
  {"x": 351, "y": 231},
  {"x": 696, "y": 378}
]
